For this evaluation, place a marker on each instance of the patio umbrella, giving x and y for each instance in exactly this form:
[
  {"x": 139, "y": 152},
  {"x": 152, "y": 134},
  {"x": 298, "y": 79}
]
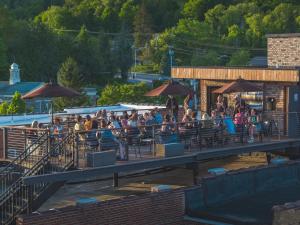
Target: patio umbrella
[
  {"x": 169, "y": 88},
  {"x": 51, "y": 90},
  {"x": 240, "y": 85}
]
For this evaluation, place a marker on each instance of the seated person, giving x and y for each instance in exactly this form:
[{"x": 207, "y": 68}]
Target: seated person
[
  {"x": 124, "y": 122},
  {"x": 33, "y": 134},
  {"x": 167, "y": 124},
  {"x": 133, "y": 120},
  {"x": 104, "y": 131},
  {"x": 217, "y": 119},
  {"x": 206, "y": 121},
  {"x": 158, "y": 116},
  {"x": 228, "y": 123},
  {"x": 91, "y": 135}
]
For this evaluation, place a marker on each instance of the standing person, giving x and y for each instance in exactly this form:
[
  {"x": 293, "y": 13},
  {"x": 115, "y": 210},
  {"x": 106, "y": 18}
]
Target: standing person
[
  {"x": 88, "y": 123},
  {"x": 240, "y": 104},
  {"x": 188, "y": 102},
  {"x": 79, "y": 127},
  {"x": 220, "y": 105},
  {"x": 172, "y": 106}
]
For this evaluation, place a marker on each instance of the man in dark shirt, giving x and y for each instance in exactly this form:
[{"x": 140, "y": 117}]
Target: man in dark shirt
[{"x": 172, "y": 106}]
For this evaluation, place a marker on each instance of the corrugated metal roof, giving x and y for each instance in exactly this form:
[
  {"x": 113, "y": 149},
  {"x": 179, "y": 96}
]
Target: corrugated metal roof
[{"x": 22, "y": 87}]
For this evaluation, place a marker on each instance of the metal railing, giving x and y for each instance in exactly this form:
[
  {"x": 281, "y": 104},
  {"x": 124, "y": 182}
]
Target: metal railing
[
  {"x": 23, "y": 162},
  {"x": 140, "y": 142},
  {"x": 18, "y": 197}
]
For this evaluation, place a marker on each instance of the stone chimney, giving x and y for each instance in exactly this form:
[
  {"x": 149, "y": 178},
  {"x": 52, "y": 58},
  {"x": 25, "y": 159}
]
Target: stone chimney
[
  {"x": 14, "y": 74},
  {"x": 284, "y": 50}
]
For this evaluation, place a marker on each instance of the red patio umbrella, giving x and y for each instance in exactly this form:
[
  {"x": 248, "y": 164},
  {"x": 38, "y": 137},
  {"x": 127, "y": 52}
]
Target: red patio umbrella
[
  {"x": 169, "y": 88},
  {"x": 51, "y": 90}
]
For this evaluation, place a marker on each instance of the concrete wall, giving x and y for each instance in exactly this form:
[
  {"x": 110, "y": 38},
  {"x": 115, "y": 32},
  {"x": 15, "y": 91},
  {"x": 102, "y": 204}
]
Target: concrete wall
[
  {"x": 287, "y": 214},
  {"x": 240, "y": 183}
]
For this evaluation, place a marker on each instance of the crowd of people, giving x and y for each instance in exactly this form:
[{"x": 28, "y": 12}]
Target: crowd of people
[{"x": 238, "y": 119}]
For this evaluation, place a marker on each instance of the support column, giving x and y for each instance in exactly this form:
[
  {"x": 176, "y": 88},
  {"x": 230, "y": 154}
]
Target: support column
[
  {"x": 116, "y": 180},
  {"x": 30, "y": 198},
  {"x": 5, "y": 142},
  {"x": 195, "y": 168}
]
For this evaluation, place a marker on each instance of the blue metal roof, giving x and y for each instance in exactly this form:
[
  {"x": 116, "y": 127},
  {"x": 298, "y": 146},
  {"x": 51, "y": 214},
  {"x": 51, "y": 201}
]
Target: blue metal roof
[{"x": 22, "y": 87}]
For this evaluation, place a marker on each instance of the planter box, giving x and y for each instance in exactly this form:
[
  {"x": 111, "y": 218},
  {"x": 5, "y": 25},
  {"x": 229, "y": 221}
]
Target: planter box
[
  {"x": 169, "y": 150},
  {"x": 98, "y": 159}
]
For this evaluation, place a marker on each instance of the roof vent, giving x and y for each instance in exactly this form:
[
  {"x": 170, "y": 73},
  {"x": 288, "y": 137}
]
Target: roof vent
[{"x": 14, "y": 74}]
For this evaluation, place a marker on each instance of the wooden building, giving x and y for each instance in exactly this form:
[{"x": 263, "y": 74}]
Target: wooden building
[{"x": 280, "y": 80}]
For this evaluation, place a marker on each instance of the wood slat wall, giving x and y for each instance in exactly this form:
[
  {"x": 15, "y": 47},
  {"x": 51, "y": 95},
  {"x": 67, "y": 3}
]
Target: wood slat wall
[{"x": 255, "y": 74}]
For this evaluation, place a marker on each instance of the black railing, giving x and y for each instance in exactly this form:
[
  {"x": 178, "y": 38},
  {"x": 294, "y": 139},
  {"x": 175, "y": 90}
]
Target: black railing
[{"x": 18, "y": 197}]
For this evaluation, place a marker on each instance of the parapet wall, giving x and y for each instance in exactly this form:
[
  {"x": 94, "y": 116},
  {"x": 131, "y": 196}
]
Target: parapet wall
[
  {"x": 288, "y": 213},
  {"x": 162, "y": 208},
  {"x": 224, "y": 188}
]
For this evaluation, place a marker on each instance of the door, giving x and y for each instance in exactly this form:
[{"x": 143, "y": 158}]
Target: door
[{"x": 293, "y": 113}]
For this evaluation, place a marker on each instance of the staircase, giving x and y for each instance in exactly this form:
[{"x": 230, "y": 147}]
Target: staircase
[{"x": 41, "y": 157}]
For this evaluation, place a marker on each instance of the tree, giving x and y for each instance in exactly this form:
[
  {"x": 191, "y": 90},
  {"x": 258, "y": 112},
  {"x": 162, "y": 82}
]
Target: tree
[
  {"x": 239, "y": 58},
  {"x": 282, "y": 19},
  {"x": 3, "y": 57},
  {"x": 115, "y": 93},
  {"x": 17, "y": 104},
  {"x": 128, "y": 12},
  {"x": 211, "y": 58},
  {"x": 4, "y": 108},
  {"x": 69, "y": 76},
  {"x": 122, "y": 50},
  {"x": 142, "y": 27}
]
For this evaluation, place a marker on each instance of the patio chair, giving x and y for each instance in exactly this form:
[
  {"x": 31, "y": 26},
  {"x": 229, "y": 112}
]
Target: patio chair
[
  {"x": 133, "y": 138},
  {"x": 91, "y": 140}
]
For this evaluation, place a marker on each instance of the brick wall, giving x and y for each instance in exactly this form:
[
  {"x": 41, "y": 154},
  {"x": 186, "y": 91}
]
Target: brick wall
[
  {"x": 284, "y": 50},
  {"x": 163, "y": 208}
]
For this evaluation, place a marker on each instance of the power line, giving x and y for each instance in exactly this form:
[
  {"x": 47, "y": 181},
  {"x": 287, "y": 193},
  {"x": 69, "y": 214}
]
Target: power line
[{"x": 218, "y": 45}]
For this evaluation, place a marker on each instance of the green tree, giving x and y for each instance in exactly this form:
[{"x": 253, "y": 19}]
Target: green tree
[
  {"x": 3, "y": 57},
  {"x": 4, "y": 108},
  {"x": 115, "y": 93},
  {"x": 122, "y": 51},
  {"x": 142, "y": 27},
  {"x": 211, "y": 58},
  {"x": 69, "y": 76},
  {"x": 239, "y": 58},
  {"x": 17, "y": 104},
  {"x": 282, "y": 19}
]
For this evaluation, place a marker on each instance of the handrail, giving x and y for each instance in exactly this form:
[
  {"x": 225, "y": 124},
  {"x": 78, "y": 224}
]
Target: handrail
[
  {"x": 14, "y": 189},
  {"x": 25, "y": 152}
]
